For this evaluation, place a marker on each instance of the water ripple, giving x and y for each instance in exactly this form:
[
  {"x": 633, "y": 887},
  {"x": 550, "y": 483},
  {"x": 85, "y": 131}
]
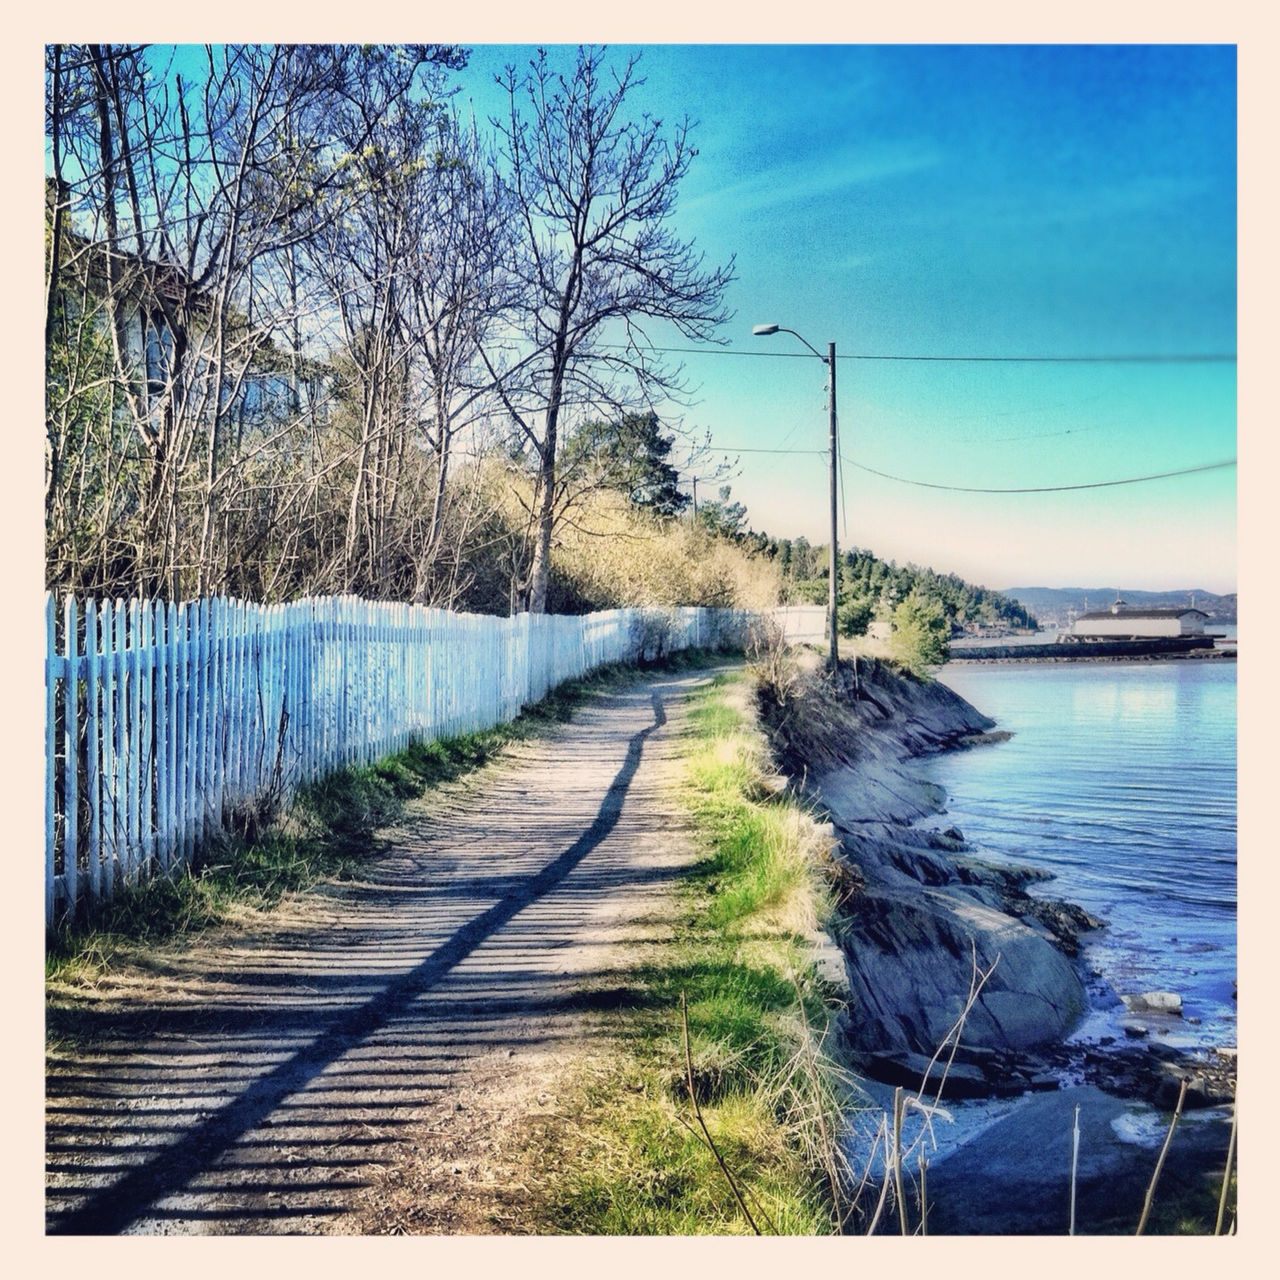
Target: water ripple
[{"x": 1121, "y": 780}]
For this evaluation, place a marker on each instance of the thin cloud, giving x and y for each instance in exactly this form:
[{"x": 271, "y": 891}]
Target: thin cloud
[{"x": 802, "y": 182}]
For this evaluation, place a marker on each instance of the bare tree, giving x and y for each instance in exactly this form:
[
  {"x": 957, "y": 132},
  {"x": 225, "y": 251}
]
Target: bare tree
[
  {"x": 463, "y": 291},
  {"x": 595, "y": 194},
  {"x": 418, "y": 275},
  {"x": 179, "y": 203}
]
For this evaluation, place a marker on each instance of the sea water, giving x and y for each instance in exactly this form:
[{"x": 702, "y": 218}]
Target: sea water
[{"x": 1120, "y": 779}]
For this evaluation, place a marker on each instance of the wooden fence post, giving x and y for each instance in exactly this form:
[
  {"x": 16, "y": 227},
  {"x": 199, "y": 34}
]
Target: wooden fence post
[
  {"x": 93, "y": 792},
  {"x": 71, "y": 756},
  {"x": 112, "y": 865},
  {"x": 133, "y": 800}
]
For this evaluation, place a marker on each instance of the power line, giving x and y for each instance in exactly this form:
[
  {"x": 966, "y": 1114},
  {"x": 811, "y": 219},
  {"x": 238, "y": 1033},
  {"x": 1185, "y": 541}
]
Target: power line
[
  {"x": 1181, "y": 358},
  {"x": 1211, "y": 357},
  {"x": 823, "y": 452},
  {"x": 925, "y": 484},
  {"x": 1052, "y": 488}
]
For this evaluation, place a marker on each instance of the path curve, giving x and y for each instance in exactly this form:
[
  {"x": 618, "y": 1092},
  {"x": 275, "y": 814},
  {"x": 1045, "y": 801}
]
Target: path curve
[{"x": 269, "y": 1079}]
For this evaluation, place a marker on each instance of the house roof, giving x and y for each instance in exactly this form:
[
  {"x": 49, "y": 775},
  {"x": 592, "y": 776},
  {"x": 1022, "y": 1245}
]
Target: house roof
[
  {"x": 1098, "y": 615},
  {"x": 149, "y": 281}
]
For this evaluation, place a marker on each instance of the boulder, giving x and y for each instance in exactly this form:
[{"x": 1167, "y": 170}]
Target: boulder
[
  {"x": 1015, "y": 1179},
  {"x": 877, "y": 791},
  {"x": 1204, "y": 1089},
  {"x": 910, "y": 959},
  {"x": 1167, "y": 1002},
  {"x": 911, "y": 1070},
  {"x": 915, "y": 916}
]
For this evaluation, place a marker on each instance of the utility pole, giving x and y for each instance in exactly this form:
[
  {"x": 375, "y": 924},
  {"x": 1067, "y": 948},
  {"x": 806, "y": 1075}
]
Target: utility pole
[
  {"x": 835, "y": 565},
  {"x": 765, "y": 331}
]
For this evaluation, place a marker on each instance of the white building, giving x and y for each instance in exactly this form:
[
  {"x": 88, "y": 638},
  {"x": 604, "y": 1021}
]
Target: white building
[{"x": 1120, "y": 622}]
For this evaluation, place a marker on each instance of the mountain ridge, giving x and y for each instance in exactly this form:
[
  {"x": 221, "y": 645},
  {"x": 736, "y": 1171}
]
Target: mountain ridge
[{"x": 1053, "y": 603}]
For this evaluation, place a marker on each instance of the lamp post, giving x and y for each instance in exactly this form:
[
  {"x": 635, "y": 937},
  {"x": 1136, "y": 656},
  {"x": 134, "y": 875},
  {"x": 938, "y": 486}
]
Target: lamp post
[{"x": 764, "y": 331}]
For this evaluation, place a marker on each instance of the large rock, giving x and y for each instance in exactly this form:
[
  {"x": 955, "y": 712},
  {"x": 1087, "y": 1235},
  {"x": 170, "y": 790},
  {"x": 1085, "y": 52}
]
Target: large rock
[
  {"x": 911, "y": 959},
  {"x": 922, "y": 715},
  {"x": 1016, "y": 1178},
  {"x": 877, "y": 791},
  {"x": 914, "y": 917}
]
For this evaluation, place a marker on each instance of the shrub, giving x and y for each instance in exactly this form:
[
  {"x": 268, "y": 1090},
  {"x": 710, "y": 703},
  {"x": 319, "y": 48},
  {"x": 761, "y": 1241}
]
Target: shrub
[{"x": 921, "y": 635}]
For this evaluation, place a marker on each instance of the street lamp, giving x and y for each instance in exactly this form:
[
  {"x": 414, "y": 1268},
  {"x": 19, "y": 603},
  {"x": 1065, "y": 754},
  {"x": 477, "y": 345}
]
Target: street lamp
[{"x": 765, "y": 331}]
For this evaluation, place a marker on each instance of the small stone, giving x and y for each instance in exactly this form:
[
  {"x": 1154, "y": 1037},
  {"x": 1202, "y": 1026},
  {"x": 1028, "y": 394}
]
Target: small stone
[{"x": 1155, "y": 1002}]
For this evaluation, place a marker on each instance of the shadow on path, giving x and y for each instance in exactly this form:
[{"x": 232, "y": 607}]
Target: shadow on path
[{"x": 112, "y": 1209}]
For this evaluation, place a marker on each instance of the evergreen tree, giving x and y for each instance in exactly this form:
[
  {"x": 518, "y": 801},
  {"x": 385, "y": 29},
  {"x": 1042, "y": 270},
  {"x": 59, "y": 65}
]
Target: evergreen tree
[
  {"x": 632, "y": 456},
  {"x": 723, "y": 518}
]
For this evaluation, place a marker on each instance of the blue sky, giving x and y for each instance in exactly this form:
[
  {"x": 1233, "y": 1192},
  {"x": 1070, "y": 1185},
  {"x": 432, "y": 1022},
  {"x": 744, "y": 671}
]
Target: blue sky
[
  {"x": 968, "y": 200},
  {"x": 1056, "y": 200}
]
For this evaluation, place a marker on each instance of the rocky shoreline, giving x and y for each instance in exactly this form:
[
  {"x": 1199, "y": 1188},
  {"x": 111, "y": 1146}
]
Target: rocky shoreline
[{"x": 920, "y": 914}]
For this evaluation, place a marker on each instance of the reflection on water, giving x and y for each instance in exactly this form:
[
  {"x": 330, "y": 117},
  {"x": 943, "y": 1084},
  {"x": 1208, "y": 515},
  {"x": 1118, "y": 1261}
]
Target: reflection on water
[
  {"x": 1113, "y": 702},
  {"x": 1120, "y": 779}
]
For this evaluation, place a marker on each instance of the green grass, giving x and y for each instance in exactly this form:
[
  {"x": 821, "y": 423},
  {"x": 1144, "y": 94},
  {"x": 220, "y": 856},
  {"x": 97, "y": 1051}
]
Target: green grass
[
  {"x": 329, "y": 832},
  {"x": 1184, "y": 1205},
  {"x": 631, "y": 1160}
]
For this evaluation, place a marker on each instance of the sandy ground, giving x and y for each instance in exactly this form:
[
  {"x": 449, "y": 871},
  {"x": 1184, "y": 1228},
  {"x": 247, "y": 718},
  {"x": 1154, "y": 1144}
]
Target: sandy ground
[{"x": 364, "y": 1059}]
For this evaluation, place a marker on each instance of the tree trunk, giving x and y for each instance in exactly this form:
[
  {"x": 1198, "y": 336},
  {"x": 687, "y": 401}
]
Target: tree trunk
[
  {"x": 545, "y": 498},
  {"x": 544, "y": 512}
]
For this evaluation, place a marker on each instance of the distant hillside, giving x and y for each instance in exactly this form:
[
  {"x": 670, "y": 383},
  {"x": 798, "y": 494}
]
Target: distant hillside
[
  {"x": 878, "y": 586},
  {"x": 1053, "y": 604}
]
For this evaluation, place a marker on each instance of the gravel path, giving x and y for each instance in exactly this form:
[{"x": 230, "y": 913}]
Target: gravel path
[{"x": 283, "y": 1077}]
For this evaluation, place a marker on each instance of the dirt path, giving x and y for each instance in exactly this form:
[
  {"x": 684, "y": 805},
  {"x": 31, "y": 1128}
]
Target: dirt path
[{"x": 352, "y": 1062}]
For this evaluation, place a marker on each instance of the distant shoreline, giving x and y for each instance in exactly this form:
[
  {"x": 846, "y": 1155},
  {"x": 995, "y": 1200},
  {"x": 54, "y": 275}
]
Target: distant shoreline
[
  {"x": 1199, "y": 647},
  {"x": 1200, "y": 655}
]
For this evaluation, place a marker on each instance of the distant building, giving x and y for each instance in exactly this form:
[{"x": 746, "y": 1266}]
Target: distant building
[{"x": 1120, "y": 622}]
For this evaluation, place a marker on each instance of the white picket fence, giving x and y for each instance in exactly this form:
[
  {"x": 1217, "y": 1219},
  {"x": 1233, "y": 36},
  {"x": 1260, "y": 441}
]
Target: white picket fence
[{"x": 163, "y": 719}]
